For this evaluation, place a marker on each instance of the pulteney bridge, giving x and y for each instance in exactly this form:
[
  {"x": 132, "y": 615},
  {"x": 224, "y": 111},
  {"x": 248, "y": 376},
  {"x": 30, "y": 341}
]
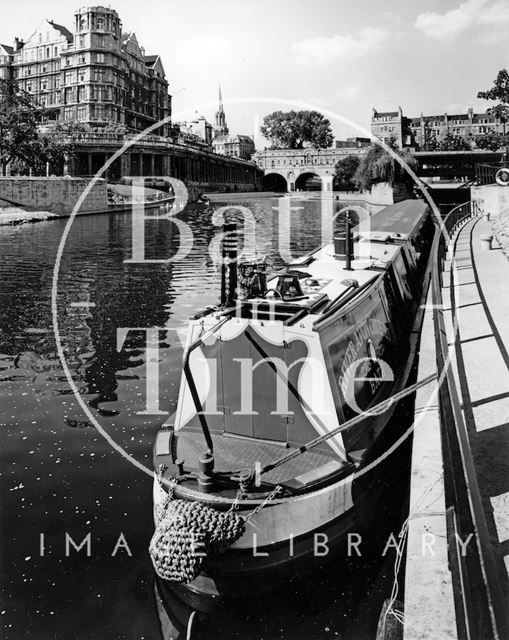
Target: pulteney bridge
[{"x": 290, "y": 169}]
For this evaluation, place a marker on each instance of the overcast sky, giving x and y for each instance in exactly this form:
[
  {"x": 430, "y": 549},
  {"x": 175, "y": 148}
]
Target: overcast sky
[{"x": 342, "y": 56}]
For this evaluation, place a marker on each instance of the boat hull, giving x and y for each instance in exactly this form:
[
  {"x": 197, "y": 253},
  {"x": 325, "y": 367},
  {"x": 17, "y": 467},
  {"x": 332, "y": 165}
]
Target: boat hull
[{"x": 245, "y": 572}]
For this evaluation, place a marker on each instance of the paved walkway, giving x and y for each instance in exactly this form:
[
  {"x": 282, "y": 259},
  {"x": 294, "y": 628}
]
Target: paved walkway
[
  {"x": 429, "y": 598},
  {"x": 480, "y": 295}
]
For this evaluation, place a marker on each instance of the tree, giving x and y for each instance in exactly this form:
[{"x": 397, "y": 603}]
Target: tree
[
  {"x": 492, "y": 141},
  {"x": 452, "y": 142},
  {"x": 345, "y": 172},
  {"x": 25, "y": 144},
  {"x": 18, "y": 127},
  {"x": 58, "y": 142},
  {"x": 430, "y": 140},
  {"x": 292, "y": 129},
  {"x": 378, "y": 165},
  {"x": 499, "y": 91}
]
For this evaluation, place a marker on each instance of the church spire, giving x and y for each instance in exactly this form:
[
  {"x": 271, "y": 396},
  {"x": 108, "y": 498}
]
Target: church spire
[{"x": 221, "y": 126}]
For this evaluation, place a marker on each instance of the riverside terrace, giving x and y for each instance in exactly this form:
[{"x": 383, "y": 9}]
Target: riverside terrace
[{"x": 157, "y": 156}]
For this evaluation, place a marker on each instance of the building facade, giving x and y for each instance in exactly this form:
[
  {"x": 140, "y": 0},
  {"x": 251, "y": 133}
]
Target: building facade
[
  {"x": 96, "y": 75},
  {"x": 425, "y": 131},
  {"x": 100, "y": 77},
  {"x": 199, "y": 129},
  {"x": 388, "y": 125},
  {"x": 352, "y": 143},
  {"x": 234, "y": 146},
  {"x": 429, "y": 129},
  {"x": 6, "y": 55}
]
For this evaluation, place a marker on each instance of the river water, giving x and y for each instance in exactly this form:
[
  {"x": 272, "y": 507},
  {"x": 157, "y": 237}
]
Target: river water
[{"x": 61, "y": 479}]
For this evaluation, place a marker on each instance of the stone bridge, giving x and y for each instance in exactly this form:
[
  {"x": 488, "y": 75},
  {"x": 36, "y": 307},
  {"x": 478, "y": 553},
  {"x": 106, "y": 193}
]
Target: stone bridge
[{"x": 289, "y": 169}]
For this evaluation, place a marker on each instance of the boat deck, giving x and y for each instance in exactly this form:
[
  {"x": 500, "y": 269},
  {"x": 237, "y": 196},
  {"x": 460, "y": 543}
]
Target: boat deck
[{"x": 233, "y": 453}]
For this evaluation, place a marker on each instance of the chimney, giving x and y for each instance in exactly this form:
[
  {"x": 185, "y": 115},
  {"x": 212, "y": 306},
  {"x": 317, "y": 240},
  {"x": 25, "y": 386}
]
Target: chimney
[{"x": 18, "y": 44}]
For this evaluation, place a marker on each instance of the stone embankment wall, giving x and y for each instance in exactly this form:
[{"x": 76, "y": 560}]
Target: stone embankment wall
[
  {"x": 195, "y": 189},
  {"x": 380, "y": 196},
  {"x": 57, "y": 195},
  {"x": 384, "y": 193}
]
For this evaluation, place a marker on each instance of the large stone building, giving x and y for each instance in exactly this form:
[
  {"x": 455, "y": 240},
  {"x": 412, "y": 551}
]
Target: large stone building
[
  {"x": 392, "y": 124},
  {"x": 470, "y": 125},
  {"x": 422, "y": 131},
  {"x": 234, "y": 146},
  {"x": 96, "y": 74}
]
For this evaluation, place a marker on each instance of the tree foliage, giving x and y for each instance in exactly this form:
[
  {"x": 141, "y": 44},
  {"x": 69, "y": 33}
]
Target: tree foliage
[
  {"x": 452, "y": 142},
  {"x": 444, "y": 139},
  {"x": 24, "y": 143},
  {"x": 492, "y": 141},
  {"x": 430, "y": 139},
  {"x": 499, "y": 92},
  {"x": 378, "y": 165},
  {"x": 18, "y": 126},
  {"x": 345, "y": 171},
  {"x": 293, "y": 129},
  {"x": 500, "y": 89}
]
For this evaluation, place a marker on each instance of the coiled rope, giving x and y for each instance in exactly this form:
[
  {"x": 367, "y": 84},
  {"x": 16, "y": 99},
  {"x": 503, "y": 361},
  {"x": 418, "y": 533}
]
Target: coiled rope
[{"x": 189, "y": 531}]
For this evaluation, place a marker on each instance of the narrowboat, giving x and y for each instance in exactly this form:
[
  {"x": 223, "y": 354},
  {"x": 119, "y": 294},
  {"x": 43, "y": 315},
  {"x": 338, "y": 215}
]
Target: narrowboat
[{"x": 284, "y": 399}]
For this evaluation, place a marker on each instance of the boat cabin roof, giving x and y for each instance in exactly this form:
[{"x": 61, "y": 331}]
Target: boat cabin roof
[
  {"x": 324, "y": 278},
  {"x": 397, "y": 221}
]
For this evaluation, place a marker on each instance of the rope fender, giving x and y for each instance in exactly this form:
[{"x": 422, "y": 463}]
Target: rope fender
[{"x": 186, "y": 534}]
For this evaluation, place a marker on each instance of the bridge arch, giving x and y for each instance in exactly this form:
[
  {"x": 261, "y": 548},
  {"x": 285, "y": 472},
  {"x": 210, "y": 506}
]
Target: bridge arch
[
  {"x": 308, "y": 181},
  {"x": 274, "y": 182}
]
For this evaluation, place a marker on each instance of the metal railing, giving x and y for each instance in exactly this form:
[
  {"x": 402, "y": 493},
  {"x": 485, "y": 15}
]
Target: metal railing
[
  {"x": 479, "y": 602},
  {"x": 485, "y": 173}
]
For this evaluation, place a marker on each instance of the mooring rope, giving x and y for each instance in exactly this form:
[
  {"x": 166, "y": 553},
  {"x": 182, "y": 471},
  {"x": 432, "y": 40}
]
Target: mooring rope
[{"x": 376, "y": 410}]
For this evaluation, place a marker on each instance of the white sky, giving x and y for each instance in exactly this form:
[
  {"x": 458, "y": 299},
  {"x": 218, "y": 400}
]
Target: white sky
[{"x": 343, "y": 56}]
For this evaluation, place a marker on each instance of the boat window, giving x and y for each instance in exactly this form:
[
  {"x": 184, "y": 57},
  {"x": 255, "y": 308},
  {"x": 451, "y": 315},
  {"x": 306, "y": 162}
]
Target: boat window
[
  {"x": 396, "y": 306},
  {"x": 422, "y": 241},
  {"x": 400, "y": 272}
]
